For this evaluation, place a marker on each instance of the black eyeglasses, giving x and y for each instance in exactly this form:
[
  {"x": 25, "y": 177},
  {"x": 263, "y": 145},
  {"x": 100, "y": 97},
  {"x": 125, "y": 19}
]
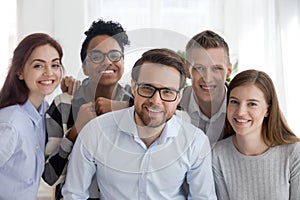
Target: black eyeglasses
[
  {"x": 98, "y": 57},
  {"x": 148, "y": 91}
]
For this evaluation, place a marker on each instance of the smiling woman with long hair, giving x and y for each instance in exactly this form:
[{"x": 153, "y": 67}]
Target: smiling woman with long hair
[
  {"x": 260, "y": 159},
  {"x": 35, "y": 71}
]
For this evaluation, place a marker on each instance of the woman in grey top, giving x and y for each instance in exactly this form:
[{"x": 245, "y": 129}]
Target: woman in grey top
[{"x": 260, "y": 159}]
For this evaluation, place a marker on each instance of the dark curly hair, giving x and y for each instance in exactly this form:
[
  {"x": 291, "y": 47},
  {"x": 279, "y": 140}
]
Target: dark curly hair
[{"x": 101, "y": 27}]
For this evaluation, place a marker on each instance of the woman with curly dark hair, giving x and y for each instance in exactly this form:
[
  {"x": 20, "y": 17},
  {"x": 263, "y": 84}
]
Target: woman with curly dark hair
[{"x": 102, "y": 56}]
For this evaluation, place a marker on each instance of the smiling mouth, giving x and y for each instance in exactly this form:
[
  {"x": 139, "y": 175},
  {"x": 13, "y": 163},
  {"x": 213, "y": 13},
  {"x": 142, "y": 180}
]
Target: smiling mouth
[
  {"x": 108, "y": 71},
  {"x": 241, "y": 120},
  {"x": 153, "y": 111},
  {"x": 48, "y": 82},
  {"x": 207, "y": 87}
]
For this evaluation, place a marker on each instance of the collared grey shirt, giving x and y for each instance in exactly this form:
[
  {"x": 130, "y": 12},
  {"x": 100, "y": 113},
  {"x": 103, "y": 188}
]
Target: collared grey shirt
[{"x": 190, "y": 111}]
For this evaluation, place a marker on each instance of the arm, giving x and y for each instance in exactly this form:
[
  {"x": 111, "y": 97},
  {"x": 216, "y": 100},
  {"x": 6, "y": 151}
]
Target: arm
[
  {"x": 200, "y": 176},
  {"x": 58, "y": 147},
  {"x": 81, "y": 167},
  {"x": 104, "y": 105},
  {"x": 8, "y": 142},
  {"x": 295, "y": 174},
  {"x": 62, "y": 133},
  {"x": 220, "y": 185}
]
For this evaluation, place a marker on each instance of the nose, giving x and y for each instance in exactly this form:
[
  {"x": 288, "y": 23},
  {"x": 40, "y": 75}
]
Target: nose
[
  {"x": 106, "y": 59},
  {"x": 156, "y": 97},
  {"x": 207, "y": 75},
  {"x": 241, "y": 110},
  {"x": 48, "y": 71}
]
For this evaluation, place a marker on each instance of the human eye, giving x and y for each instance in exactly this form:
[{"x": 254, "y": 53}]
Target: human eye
[
  {"x": 233, "y": 101},
  {"x": 199, "y": 68},
  {"x": 146, "y": 88},
  {"x": 168, "y": 92},
  {"x": 115, "y": 55},
  {"x": 38, "y": 66},
  {"x": 252, "y": 104},
  {"x": 96, "y": 56},
  {"x": 217, "y": 68},
  {"x": 56, "y": 65}
]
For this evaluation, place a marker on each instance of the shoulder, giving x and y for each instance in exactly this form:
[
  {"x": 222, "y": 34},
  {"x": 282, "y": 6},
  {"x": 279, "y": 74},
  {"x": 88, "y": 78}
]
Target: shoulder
[
  {"x": 186, "y": 94},
  {"x": 186, "y": 126},
  {"x": 187, "y": 90},
  {"x": 105, "y": 121},
  {"x": 101, "y": 129},
  {"x": 222, "y": 146},
  {"x": 293, "y": 150},
  {"x": 11, "y": 120},
  {"x": 11, "y": 114},
  {"x": 192, "y": 134},
  {"x": 123, "y": 93},
  {"x": 64, "y": 98}
]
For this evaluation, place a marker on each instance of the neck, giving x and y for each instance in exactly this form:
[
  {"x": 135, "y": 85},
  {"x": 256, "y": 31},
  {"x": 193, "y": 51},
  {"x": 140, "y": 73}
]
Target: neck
[
  {"x": 210, "y": 108},
  {"x": 149, "y": 134},
  {"x": 36, "y": 101},
  {"x": 106, "y": 91},
  {"x": 250, "y": 146}
]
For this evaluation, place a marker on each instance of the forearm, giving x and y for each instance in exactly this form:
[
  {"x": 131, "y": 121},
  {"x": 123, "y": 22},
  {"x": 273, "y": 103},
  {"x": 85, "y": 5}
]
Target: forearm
[{"x": 56, "y": 163}]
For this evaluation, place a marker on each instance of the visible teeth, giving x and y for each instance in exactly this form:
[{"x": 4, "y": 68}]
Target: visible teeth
[
  {"x": 46, "y": 82},
  {"x": 157, "y": 111},
  {"x": 107, "y": 72},
  {"x": 241, "y": 120},
  {"x": 207, "y": 88}
]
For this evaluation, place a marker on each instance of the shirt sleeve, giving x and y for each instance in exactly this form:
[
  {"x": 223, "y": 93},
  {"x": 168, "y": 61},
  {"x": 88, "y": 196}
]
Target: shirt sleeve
[
  {"x": 81, "y": 169},
  {"x": 295, "y": 174},
  {"x": 200, "y": 177},
  {"x": 58, "y": 147},
  {"x": 219, "y": 179},
  {"x": 8, "y": 142}
]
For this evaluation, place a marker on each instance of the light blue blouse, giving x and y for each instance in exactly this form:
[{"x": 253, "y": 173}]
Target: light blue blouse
[
  {"x": 109, "y": 146},
  {"x": 22, "y": 144}
]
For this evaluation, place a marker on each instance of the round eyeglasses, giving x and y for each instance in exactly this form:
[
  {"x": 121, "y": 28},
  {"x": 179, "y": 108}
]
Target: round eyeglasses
[
  {"x": 148, "y": 91},
  {"x": 98, "y": 57}
]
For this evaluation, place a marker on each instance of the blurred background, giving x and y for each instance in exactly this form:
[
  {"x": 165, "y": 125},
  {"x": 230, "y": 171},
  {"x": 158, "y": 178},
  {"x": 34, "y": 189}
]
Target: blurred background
[{"x": 262, "y": 35}]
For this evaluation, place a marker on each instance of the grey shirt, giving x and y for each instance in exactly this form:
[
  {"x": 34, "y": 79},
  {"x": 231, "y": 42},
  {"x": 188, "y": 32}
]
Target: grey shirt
[
  {"x": 273, "y": 175},
  {"x": 212, "y": 127}
]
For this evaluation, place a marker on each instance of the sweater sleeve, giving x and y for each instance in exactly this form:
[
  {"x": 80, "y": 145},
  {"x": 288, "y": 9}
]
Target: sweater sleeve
[
  {"x": 295, "y": 173},
  {"x": 58, "y": 147},
  {"x": 220, "y": 185}
]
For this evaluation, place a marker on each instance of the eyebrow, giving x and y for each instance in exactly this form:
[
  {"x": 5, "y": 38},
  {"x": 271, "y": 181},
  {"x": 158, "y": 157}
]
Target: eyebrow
[
  {"x": 43, "y": 61},
  {"x": 199, "y": 64},
  {"x": 233, "y": 97},
  {"x": 148, "y": 84}
]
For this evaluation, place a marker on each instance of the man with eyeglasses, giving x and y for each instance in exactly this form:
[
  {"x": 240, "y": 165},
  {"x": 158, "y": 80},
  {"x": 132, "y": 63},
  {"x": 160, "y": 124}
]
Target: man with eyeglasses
[
  {"x": 103, "y": 64},
  {"x": 144, "y": 152}
]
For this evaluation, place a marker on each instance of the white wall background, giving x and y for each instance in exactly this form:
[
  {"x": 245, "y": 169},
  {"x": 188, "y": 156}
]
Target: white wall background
[{"x": 261, "y": 34}]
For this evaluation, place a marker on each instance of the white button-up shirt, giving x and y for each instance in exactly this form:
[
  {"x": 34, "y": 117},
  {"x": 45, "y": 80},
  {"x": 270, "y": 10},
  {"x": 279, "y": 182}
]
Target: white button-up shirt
[{"x": 109, "y": 146}]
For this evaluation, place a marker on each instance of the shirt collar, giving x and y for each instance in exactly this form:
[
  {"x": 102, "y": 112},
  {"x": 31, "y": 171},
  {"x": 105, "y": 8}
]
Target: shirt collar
[
  {"x": 35, "y": 115},
  {"x": 128, "y": 125},
  {"x": 194, "y": 108}
]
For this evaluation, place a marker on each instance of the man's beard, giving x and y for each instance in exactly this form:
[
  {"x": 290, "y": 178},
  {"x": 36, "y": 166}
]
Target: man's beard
[{"x": 152, "y": 122}]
